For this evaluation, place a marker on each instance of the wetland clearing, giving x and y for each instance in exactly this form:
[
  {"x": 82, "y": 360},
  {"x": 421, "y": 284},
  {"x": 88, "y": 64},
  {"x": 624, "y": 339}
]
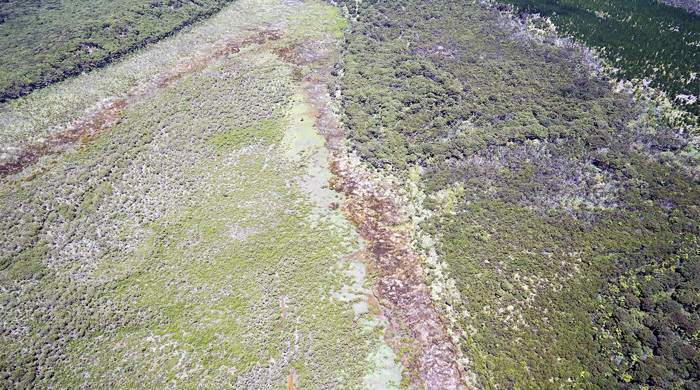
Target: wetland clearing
[{"x": 308, "y": 194}]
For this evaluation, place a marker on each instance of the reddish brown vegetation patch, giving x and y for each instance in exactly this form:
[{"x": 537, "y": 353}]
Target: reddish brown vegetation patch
[
  {"x": 283, "y": 306},
  {"x": 400, "y": 285},
  {"x": 290, "y": 380},
  {"x": 374, "y": 303},
  {"x": 84, "y": 130}
]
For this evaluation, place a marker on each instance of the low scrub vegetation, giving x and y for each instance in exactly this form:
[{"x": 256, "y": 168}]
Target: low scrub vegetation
[{"x": 181, "y": 248}]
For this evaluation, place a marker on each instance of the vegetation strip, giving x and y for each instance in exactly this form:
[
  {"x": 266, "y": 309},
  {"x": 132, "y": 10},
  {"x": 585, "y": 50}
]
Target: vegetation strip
[
  {"x": 103, "y": 118},
  {"x": 418, "y": 332},
  {"x": 46, "y": 43}
]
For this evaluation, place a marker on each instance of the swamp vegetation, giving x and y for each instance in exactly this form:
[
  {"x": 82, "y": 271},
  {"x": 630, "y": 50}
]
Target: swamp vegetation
[
  {"x": 349, "y": 194},
  {"x": 182, "y": 247}
]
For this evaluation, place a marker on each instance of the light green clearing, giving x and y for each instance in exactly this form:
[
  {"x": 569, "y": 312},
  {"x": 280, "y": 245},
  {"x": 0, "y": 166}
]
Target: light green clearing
[
  {"x": 168, "y": 245},
  {"x": 388, "y": 374},
  {"x": 305, "y": 147}
]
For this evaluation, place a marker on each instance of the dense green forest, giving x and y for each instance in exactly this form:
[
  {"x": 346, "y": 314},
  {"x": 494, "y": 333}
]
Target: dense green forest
[
  {"x": 643, "y": 38},
  {"x": 567, "y": 223},
  {"x": 42, "y": 42}
]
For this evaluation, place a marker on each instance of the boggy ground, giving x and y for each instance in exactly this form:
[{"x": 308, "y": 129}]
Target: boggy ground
[{"x": 417, "y": 332}]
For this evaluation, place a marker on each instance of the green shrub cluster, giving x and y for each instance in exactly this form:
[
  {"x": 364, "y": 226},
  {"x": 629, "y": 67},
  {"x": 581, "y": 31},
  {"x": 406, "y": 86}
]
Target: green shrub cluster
[
  {"x": 542, "y": 186},
  {"x": 447, "y": 91},
  {"x": 45, "y": 42},
  {"x": 655, "y": 316}
]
